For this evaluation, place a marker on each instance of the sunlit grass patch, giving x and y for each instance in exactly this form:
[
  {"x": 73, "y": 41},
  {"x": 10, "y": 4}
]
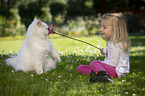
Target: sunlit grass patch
[{"x": 62, "y": 45}]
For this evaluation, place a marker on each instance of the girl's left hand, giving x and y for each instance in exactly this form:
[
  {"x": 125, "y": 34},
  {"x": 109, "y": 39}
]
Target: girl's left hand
[{"x": 101, "y": 50}]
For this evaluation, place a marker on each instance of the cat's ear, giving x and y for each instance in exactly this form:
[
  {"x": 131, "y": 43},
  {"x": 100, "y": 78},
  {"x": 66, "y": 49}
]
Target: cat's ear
[
  {"x": 39, "y": 23},
  {"x": 35, "y": 18}
]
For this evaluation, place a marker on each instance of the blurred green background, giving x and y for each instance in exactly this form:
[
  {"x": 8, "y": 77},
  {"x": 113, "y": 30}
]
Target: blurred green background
[{"x": 70, "y": 17}]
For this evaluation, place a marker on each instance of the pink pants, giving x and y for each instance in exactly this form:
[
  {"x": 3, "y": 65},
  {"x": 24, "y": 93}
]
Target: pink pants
[{"x": 96, "y": 66}]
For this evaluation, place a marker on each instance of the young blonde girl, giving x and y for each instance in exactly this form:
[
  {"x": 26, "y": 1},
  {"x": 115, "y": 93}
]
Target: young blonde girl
[{"x": 116, "y": 64}]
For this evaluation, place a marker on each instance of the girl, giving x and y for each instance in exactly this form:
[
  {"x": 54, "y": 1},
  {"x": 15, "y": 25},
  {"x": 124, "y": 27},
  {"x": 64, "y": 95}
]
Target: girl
[{"x": 116, "y": 64}]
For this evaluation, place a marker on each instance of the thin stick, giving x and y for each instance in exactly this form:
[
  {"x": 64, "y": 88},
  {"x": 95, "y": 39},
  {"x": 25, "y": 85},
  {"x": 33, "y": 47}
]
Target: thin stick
[{"x": 77, "y": 40}]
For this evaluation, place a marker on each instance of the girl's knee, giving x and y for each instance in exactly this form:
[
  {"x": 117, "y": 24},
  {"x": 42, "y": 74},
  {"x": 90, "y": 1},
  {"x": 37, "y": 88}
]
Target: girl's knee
[
  {"x": 84, "y": 69},
  {"x": 93, "y": 62},
  {"x": 80, "y": 67}
]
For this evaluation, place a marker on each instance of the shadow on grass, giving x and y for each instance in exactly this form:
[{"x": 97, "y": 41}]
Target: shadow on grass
[
  {"x": 138, "y": 40},
  {"x": 65, "y": 78}
]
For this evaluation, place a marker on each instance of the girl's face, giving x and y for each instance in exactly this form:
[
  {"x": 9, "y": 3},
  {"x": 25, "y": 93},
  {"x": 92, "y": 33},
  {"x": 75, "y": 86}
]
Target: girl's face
[{"x": 106, "y": 30}]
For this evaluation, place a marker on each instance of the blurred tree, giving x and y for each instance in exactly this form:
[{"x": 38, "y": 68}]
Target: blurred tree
[
  {"x": 136, "y": 4},
  {"x": 58, "y": 10},
  {"x": 45, "y": 10},
  {"x": 17, "y": 11},
  {"x": 100, "y": 4},
  {"x": 29, "y": 11},
  {"x": 75, "y": 7},
  {"x": 14, "y": 26},
  {"x": 80, "y": 8},
  {"x": 131, "y": 4},
  {"x": 89, "y": 4},
  {"x": 46, "y": 15}
]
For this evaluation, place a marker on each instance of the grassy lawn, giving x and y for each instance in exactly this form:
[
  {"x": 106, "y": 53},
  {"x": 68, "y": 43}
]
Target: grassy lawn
[{"x": 65, "y": 80}]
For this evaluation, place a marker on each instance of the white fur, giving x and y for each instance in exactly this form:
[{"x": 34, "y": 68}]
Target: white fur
[{"x": 36, "y": 53}]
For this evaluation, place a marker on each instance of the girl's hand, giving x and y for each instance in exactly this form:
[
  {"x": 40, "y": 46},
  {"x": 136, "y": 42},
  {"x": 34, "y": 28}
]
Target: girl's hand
[{"x": 101, "y": 50}]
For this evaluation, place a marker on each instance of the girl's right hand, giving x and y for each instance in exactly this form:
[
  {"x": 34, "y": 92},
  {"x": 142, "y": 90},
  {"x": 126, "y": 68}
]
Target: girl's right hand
[{"x": 101, "y": 50}]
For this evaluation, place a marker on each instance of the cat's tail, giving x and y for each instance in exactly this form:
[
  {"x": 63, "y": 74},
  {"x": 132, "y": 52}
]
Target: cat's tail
[{"x": 11, "y": 61}]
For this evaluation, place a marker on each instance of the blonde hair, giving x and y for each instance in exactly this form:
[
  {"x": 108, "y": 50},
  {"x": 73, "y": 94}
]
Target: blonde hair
[{"x": 119, "y": 27}]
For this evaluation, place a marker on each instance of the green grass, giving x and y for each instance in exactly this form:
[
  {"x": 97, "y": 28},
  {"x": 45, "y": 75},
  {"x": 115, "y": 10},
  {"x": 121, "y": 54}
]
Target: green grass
[
  {"x": 65, "y": 80},
  {"x": 62, "y": 45}
]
